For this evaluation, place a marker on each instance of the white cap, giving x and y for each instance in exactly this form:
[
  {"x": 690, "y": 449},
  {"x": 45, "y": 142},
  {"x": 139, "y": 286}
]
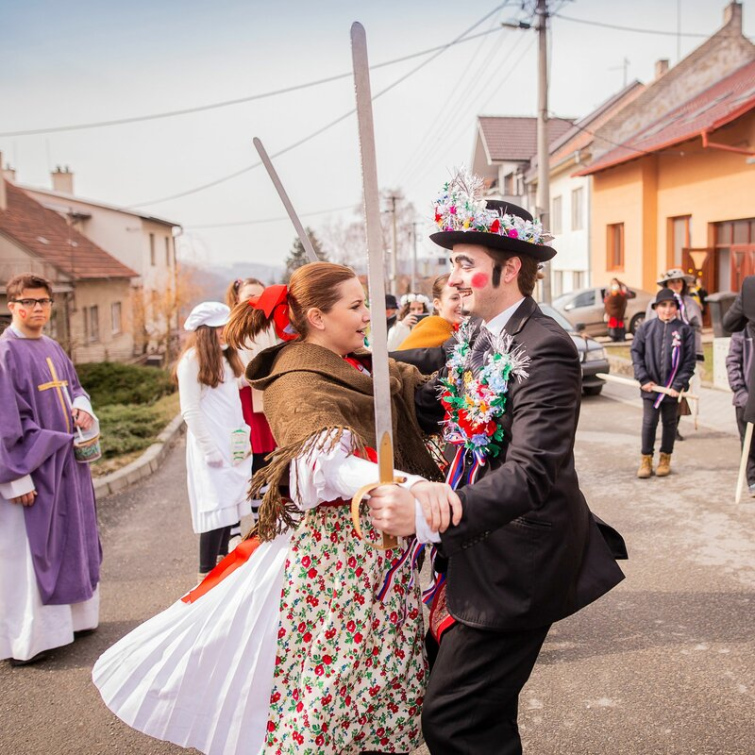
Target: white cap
[{"x": 215, "y": 314}]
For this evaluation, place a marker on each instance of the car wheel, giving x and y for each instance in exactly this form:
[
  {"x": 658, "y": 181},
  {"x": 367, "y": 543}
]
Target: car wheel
[
  {"x": 635, "y": 322},
  {"x": 592, "y": 390}
]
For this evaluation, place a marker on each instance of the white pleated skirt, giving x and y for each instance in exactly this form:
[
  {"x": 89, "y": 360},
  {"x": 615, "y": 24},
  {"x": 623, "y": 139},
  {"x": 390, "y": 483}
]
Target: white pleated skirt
[{"x": 200, "y": 674}]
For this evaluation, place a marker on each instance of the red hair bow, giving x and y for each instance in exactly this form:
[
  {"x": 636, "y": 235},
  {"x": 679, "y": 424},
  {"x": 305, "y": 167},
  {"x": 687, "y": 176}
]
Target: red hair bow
[{"x": 273, "y": 301}]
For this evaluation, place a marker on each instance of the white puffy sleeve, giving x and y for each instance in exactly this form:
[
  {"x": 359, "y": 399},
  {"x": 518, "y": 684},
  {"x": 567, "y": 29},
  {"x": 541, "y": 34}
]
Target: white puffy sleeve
[{"x": 320, "y": 476}]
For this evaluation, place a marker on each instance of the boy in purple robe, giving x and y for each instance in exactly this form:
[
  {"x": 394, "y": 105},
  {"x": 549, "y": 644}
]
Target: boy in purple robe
[{"x": 49, "y": 544}]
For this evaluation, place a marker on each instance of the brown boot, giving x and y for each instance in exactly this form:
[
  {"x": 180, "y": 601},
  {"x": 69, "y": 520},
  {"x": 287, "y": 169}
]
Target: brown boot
[
  {"x": 664, "y": 465},
  {"x": 646, "y": 466}
]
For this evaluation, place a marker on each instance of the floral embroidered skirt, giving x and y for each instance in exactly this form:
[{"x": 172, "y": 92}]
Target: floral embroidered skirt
[
  {"x": 350, "y": 671},
  {"x": 293, "y": 653}
]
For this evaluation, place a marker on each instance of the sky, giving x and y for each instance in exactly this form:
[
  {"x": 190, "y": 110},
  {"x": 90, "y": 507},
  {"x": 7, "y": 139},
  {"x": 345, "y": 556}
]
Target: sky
[{"x": 87, "y": 61}]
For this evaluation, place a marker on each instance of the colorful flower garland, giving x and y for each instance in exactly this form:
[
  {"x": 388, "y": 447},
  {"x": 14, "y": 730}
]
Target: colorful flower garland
[
  {"x": 461, "y": 207},
  {"x": 475, "y": 402}
]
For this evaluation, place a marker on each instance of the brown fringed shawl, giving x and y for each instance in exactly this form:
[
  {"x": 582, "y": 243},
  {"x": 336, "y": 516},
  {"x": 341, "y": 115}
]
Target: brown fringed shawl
[{"x": 308, "y": 390}]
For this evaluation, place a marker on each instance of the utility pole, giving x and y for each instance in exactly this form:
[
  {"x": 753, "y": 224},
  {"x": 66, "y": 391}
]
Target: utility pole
[
  {"x": 543, "y": 164},
  {"x": 394, "y": 255},
  {"x": 414, "y": 255}
]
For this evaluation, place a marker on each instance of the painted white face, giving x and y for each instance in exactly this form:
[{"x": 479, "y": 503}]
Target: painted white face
[
  {"x": 472, "y": 275},
  {"x": 342, "y": 329}
]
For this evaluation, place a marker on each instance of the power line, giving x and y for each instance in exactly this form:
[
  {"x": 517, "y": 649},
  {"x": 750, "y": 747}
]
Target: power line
[
  {"x": 328, "y": 126},
  {"x": 270, "y": 220},
  {"x": 229, "y": 103},
  {"x": 629, "y": 28}
]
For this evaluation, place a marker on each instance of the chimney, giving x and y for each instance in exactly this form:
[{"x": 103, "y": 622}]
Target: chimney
[
  {"x": 3, "y": 194},
  {"x": 661, "y": 67},
  {"x": 733, "y": 17},
  {"x": 62, "y": 180}
]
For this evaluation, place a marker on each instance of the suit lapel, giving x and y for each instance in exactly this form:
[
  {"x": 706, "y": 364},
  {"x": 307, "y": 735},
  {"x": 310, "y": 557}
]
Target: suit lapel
[{"x": 523, "y": 313}]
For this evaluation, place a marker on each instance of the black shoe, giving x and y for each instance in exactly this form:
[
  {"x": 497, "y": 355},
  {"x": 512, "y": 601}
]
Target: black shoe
[{"x": 679, "y": 436}]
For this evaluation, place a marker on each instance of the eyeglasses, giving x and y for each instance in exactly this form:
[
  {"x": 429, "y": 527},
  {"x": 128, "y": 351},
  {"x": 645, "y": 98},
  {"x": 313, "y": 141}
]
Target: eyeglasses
[{"x": 30, "y": 303}]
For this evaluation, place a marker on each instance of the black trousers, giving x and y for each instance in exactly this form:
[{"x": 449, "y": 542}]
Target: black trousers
[
  {"x": 472, "y": 700},
  {"x": 667, "y": 412},
  {"x": 211, "y": 545}
]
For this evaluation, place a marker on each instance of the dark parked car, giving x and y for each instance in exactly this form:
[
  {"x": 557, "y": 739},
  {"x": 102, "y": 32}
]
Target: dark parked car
[
  {"x": 585, "y": 306},
  {"x": 592, "y": 355}
]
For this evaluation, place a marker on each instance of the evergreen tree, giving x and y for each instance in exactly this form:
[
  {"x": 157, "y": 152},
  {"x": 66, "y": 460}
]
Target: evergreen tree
[{"x": 298, "y": 257}]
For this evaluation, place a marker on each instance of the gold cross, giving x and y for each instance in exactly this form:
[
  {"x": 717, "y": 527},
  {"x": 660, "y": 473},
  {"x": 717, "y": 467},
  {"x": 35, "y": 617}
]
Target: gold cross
[{"x": 57, "y": 385}]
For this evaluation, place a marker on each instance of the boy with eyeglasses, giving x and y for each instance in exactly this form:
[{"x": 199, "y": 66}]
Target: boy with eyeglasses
[{"x": 49, "y": 543}]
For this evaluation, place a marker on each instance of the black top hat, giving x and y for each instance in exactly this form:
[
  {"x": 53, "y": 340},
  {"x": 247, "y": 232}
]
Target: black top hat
[
  {"x": 500, "y": 233},
  {"x": 665, "y": 294}
]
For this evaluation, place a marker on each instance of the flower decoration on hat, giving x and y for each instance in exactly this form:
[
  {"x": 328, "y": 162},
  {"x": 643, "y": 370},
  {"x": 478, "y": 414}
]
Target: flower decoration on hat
[{"x": 461, "y": 207}]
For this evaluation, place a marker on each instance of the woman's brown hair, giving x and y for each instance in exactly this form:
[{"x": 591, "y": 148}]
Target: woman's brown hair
[
  {"x": 315, "y": 285},
  {"x": 404, "y": 311},
  {"x": 439, "y": 285},
  {"x": 206, "y": 341},
  {"x": 232, "y": 292}
]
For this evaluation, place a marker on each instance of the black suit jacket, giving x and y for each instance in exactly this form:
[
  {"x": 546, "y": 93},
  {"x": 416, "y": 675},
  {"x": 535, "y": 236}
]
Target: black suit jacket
[{"x": 527, "y": 551}]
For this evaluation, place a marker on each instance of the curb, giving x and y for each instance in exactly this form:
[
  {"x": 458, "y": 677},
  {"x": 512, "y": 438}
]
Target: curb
[{"x": 142, "y": 467}]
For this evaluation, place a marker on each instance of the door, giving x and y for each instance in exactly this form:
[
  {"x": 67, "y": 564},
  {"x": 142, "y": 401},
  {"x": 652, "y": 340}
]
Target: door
[
  {"x": 742, "y": 264},
  {"x": 701, "y": 264}
]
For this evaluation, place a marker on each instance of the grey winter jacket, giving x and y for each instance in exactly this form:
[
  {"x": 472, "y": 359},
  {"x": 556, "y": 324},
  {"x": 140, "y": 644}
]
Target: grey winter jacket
[
  {"x": 739, "y": 363},
  {"x": 651, "y": 354}
]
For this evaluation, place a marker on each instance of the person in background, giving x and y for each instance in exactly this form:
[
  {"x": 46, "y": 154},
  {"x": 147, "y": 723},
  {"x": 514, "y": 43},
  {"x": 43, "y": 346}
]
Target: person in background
[
  {"x": 49, "y": 543},
  {"x": 443, "y": 323},
  {"x": 217, "y": 441},
  {"x": 679, "y": 283},
  {"x": 663, "y": 353},
  {"x": 252, "y": 403},
  {"x": 739, "y": 372},
  {"x": 615, "y": 302},
  {"x": 413, "y": 308}
]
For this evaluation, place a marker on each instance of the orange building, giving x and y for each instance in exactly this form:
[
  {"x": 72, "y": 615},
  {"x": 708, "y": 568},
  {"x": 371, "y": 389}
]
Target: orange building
[{"x": 680, "y": 191}]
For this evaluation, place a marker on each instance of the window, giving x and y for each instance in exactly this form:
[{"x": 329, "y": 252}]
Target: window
[
  {"x": 167, "y": 251},
  {"x": 577, "y": 209},
  {"x": 680, "y": 233},
  {"x": 557, "y": 282},
  {"x": 615, "y": 247},
  {"x": 93, "y": 327},
  {"x": 115, "y": 317},
  {"x": 152, "y": 249},
  {"x": 556, "y": 224},
  {"x": 585, "y": 299}
]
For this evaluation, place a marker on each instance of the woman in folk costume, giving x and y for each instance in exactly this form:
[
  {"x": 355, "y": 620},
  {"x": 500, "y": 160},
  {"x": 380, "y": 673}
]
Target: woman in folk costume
[
  {"x": 217, "y": 441},
  {"x": 260, "y": 435},
  {"x": 305, "y": 639}
]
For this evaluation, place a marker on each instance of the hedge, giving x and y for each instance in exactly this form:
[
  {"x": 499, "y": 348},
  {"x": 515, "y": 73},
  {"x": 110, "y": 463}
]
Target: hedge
[{"x": 109, "y": 383}]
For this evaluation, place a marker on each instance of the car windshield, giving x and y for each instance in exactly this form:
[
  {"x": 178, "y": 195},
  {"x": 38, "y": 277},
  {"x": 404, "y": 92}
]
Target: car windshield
[{"x": 557, "y": 316}]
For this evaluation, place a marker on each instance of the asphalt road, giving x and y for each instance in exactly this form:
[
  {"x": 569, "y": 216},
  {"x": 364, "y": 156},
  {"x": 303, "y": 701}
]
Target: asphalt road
[{"x": 665, "y": 664}]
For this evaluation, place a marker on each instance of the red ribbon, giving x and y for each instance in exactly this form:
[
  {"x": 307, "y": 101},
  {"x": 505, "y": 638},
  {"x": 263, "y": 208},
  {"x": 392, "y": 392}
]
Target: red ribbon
[
  {"x": 230, "y": 563},
  {"x": 273, "y": 301}
]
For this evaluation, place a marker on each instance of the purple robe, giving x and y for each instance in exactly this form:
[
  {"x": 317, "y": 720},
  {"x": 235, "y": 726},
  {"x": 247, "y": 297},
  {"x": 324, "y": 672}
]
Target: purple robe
[{"x": 37, "y": 439}]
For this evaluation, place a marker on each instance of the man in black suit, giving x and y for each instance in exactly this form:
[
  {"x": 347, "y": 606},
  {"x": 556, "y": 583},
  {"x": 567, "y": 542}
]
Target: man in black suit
[{"x": 527, "y": 551}]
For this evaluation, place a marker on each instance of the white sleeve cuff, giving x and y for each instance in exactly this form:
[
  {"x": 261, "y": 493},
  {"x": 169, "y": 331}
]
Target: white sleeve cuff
[
  {"x": 83, "y": 403},
  {"x": 15, "y": 488},
  {"x": 422, "y": 528}
]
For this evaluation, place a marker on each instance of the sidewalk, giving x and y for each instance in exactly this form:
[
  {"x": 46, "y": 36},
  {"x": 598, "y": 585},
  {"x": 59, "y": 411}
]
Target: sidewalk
[{"x": 716, "y": 409}]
